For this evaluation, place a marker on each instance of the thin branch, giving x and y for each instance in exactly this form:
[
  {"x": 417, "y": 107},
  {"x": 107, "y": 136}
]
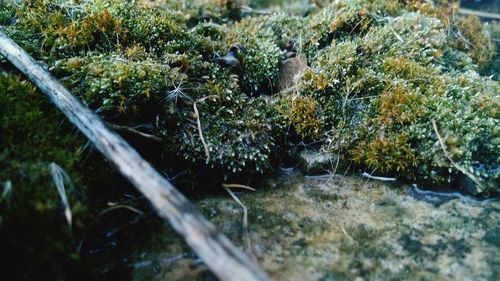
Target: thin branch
[
  {"x": 130, "y": 208},
  {"x": 480, "y": 14},
  {"x": 134, "y": 131},
  {"x": 235, "y": 185}
]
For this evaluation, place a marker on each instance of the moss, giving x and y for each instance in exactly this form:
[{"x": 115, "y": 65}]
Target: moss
[
  {"x": 474, "y": 40},
  {"x": 493, "y": 67},
  {"x": 36, "y": 238},
  {"x": 65, "y": 28},
  {"x": 263, "y": 56},
  {"x": 384, "y": 84},
  {"x": 119, "y": 86},
  {"x": 301, "y": 113},
  {"x": 377, "y": 73},
  {"x": 216, "y": 10},
  {"x": 7, "y": 13}
]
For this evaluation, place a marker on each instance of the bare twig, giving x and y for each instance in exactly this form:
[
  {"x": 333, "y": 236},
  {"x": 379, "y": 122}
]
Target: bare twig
[
  {"x": 134, "y": 131},
  {"x": 7, "y": 189},
  {"x": 395, "y": 33},
  {"x": 480, "y": 14},
  {"x": 126, "y": 207},
  {"x": 59, "y": 176},
  {"x": 248, "y": 9},
  {"x": 479, "y": 185}
]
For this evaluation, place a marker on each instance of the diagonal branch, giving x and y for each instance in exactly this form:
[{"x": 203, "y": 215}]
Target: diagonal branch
[{"x": 220, "y": 255}]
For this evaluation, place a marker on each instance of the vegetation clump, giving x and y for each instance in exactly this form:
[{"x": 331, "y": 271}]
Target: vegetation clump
[
  {"x": 38, "y": 150},
  {"x": 203, "y": 77},
  {"x": 392, "y": 86}
]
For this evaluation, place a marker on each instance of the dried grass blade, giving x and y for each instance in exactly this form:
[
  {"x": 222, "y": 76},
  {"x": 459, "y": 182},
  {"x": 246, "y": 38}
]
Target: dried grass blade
[
  {"x": 59, "y": 176},
  {"x": 246, "y": 234}
]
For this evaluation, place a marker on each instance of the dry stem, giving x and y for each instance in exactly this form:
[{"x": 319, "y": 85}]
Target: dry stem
[
  {"x": 246, "y": 234},
  {"x": 479, "y": 185},
  {"x": 198, "y": 121}
]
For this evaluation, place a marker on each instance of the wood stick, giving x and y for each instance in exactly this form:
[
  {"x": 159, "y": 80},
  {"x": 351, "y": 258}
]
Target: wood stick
[
  {"x": 220, "y": 255},
  {"x": 481, "y": 14},
  {"x": 200, "y": 129}
]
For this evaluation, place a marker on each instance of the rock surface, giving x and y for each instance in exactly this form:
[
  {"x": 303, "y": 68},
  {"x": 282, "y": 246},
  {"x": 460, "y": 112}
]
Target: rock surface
[{"x": 341, "y": 228}]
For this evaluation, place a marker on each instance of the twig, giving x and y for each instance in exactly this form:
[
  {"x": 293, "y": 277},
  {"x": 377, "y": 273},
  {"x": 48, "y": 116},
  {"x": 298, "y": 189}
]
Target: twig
[
  {"x": 200, "y": 131},
  {"x": 347, "y": 234},
  {"x": 130, "y": 208},
  {"x": 336, "y": 162},
  {"x": 394, "y": 31},
  {"x": 369, "y": 176},
  {"x": 246, "y": 234},
  {"x": 256, "y": 11},
  {"x": 479, "y": 185},
  {"x": 133, "y": 131},
  {"x": 7, "y": 189}
]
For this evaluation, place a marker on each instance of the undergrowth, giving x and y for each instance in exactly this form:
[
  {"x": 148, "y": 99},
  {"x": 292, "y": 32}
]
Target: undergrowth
[{"x": 203, "y": 77}]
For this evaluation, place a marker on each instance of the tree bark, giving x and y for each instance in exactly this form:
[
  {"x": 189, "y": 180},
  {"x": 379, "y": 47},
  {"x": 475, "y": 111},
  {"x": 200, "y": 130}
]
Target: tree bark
[{"x": 220, "y": 255}]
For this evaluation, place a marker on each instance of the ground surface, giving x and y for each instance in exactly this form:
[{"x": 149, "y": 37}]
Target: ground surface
[{"x": 342, "y": 228}]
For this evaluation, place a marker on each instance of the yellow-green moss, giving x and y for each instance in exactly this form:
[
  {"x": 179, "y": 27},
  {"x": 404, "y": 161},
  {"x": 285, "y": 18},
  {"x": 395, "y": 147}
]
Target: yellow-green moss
[
  {"x": 377, "y": 73},
  {"x": 302, "y": 113}
]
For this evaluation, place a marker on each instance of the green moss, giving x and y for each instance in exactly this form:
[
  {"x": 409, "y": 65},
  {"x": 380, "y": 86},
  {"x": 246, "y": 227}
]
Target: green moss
[
  {"x": 119, "y": 86},
  {"x": 474, "y": 40},
  {"x": 377, "y": 73},
  {"x": 263, "y": 56},
  {"x": 7, "y": 13},
  {"x": 397, "y": 77},
  {"x": 36, "y": 238}
]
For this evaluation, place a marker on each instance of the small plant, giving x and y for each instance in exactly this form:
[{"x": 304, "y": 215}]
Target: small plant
[{"x": 177, "y": 93}]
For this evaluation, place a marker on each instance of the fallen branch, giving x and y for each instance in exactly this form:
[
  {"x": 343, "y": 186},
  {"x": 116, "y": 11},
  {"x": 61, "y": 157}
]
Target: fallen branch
[
  {"x": 479, "y": 185},
  {"x": 220, "y": 255}
]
